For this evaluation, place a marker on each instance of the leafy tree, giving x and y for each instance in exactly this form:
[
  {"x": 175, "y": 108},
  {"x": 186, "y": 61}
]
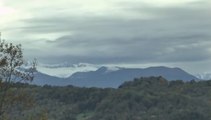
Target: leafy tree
[{"x": 11, "y": 71}]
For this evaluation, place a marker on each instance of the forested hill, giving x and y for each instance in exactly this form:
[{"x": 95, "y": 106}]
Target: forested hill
[{"x": 152, "y": 98}]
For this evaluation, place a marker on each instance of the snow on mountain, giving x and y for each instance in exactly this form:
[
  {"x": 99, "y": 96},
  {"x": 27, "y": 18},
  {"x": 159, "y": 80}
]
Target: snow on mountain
[
  {"x": 112, "y": 68},
  {"x": 65, "y": 70},
  {"x": 204, "y": 76},
  {"x": 65, "y": 64},
  {"x": 108, "y": 69}
]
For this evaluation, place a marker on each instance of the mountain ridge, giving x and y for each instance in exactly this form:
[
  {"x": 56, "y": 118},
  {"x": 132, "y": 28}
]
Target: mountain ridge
[{"x": 105, "y": 78}]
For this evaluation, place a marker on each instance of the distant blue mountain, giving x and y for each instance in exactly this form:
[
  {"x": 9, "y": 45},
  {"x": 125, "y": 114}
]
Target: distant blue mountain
[
  {"x": 104, "y": 77},
  {"x": 43, "y": 79}
]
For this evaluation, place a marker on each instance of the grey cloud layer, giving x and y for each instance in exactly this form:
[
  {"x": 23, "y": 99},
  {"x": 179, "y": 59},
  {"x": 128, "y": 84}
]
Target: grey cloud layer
[{"x": 175, "y": 34}]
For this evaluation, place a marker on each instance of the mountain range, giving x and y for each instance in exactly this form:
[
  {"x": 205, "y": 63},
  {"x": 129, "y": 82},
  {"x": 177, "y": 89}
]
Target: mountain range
[{"x": 111, "y": 77}]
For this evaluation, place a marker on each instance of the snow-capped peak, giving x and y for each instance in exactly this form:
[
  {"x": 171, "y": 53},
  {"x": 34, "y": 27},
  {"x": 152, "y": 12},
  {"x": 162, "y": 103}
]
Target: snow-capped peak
[
  {"x": 65, "y": 70},
  {"x": 204, "y": 76},
  {"x": 107, "y": 69}
]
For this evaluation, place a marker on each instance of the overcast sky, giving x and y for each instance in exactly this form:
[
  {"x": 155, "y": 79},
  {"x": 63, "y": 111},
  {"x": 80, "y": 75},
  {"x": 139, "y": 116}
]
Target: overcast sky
[{"x": 175, "y": 33}]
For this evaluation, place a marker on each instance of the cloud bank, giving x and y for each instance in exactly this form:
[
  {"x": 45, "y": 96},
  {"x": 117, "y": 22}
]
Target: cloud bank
[{"x": 113, "y": 31}]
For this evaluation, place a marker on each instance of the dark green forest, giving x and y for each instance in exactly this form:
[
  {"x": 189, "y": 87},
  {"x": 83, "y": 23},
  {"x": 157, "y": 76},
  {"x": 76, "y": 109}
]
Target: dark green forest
[{"x": 153, "y": 98}]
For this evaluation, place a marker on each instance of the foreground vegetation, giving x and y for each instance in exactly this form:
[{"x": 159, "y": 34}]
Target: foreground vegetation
[{"x": 152, "y": 98}]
